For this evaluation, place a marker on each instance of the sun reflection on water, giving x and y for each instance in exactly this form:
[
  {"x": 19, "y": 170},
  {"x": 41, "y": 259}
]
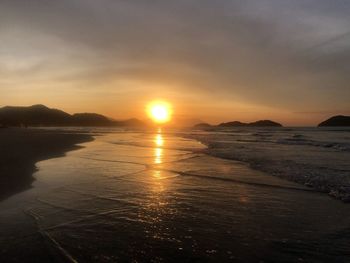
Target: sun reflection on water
[
  {"x": 159, "y": 140},
  {"x": 158, "y": 151},
  {"x": 158, "y": 160},
  {"x": 158, "y": 154},
  {"x": 157, "y": 209}
]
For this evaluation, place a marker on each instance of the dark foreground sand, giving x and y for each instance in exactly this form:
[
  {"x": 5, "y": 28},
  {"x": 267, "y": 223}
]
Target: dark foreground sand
[
  {"x": 143, "y": 197},
  {"x": 20, "y": 149}
]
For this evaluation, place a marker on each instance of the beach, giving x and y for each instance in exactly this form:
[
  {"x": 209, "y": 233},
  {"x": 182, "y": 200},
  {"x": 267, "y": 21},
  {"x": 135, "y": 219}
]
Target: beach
[
  {"x": 160, "y": 197},
  {"x": 318, "y": 158},
  {"x": 20, "y": 149},
  {"x": 174, "y": 131}
]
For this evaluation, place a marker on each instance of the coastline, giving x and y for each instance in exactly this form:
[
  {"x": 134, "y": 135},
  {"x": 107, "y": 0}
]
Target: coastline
[
  {"x": 165, "y": 202},
  {"x": 266, "y": 158},
  {"x": 21, "y": 149}
]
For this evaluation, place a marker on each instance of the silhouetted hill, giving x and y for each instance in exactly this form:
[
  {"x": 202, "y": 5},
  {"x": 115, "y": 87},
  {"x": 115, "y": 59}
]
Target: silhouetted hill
[
  {"x": 265, "y": 123},
  {"x": 40, "y": 115},
  {"x": 262, "y": 123},
  {"x": 90, "y": 119},
  {"x": 231, "y": 124},
  {"x": 130, "y": 123},
  {"x": 36, "y": 115},
  {"x": 339, "y": 120},
  {"x": 203, "y": 126}
]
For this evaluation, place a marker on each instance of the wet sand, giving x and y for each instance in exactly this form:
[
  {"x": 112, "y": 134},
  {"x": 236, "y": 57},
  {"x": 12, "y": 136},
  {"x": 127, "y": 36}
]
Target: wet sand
[
  {"x": 142, "y": 197},
  {"x": 20, "y": 149}
]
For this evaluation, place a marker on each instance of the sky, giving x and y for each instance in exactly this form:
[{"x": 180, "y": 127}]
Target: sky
[{"x": 285, "y": 60}]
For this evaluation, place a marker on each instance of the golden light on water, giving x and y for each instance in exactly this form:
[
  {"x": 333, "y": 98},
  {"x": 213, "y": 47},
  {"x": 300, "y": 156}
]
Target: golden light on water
[
  {"x": 159, "y": 111},
  {"x": 158, "y": 150},
  {"x": 158, "y": 153},
  {"x": 159, "y": 140}
]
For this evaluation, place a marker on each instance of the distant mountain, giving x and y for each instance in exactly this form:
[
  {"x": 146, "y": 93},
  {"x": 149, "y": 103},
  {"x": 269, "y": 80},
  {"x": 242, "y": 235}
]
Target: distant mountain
[
  {"x": 231, "y": 124},
  {"x": 265, "y": 123},
  {"x": 129, "y": 123},
  {"x": 339, "y": 121},
  {"x": 90, "y": 119},
  {"x": 40, "y": 115},
  {"x": 35, "y": 115},
  {"x": 262, "y": 123},
  {"x": 203, "y": 126}
]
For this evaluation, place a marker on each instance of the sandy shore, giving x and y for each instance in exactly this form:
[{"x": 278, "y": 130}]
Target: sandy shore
[
  {"x": 20, "y": 149},
  {"x": 143, "y": 197}
]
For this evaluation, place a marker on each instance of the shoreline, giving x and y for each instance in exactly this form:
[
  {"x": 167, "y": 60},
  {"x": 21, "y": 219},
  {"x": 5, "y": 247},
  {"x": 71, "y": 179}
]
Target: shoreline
[
  {"x": 339, "y": 191},
  {"x": 168, "y": 201},
  {"x": 21, "y": 149}
]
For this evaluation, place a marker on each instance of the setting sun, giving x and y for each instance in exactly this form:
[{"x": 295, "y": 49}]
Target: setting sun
[{"x": 159, "y": 111}]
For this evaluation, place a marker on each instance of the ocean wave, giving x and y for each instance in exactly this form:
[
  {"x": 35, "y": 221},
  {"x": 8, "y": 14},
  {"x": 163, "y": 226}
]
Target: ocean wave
[
  {"x": 302, "y": 141},
  {"x": 316, "y": 158}
]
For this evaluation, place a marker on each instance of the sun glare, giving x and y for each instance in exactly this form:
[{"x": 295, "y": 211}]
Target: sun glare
[{"x": 159, "y": 111}]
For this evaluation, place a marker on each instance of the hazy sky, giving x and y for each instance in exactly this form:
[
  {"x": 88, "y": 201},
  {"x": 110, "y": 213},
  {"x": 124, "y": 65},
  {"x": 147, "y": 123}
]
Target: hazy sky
[{"x": 214, "y": 60}]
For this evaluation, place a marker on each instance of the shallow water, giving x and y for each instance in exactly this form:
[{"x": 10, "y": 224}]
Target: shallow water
[
  {"x": 318, "y": 157},
  {"x": 154, "y": 197}
]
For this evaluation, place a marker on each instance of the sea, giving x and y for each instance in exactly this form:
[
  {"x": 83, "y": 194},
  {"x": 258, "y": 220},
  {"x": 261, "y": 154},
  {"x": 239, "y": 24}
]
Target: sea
[{"x": 234, "y": 195}]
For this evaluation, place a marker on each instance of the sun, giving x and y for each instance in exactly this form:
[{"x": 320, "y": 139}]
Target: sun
[{"x": 159, "y": 111}]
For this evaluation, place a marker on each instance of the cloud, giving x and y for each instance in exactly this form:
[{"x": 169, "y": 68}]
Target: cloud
[{"x": 278, "y": 54}]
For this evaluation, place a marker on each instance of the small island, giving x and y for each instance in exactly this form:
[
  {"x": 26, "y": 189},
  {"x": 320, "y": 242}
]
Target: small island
[
  {"x": 203, "y": 126},
  {"x": 233, "y": 124},
  {"x": 265, "y": 123},
  {"x": 336, "y": 121}
]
